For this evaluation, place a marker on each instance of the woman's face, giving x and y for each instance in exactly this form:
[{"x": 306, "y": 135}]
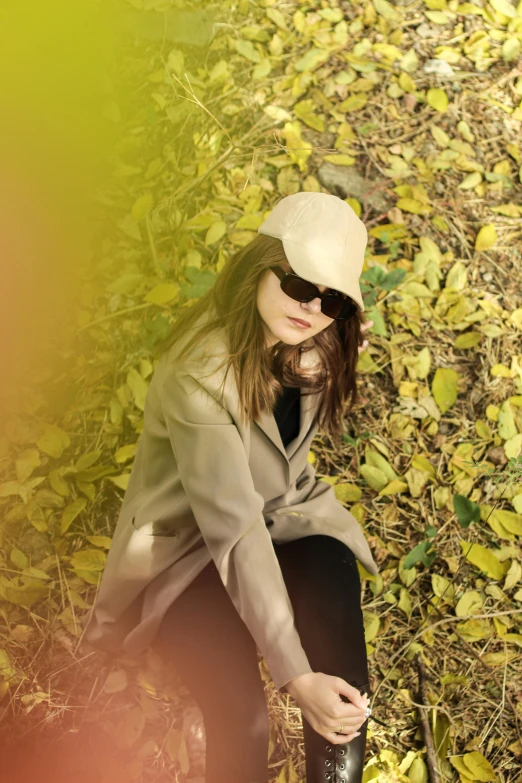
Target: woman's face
[{"x": 277, "y": 309}]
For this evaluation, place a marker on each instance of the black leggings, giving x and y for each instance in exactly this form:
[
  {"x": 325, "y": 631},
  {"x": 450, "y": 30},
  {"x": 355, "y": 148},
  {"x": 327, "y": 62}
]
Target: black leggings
[{"x": 216, "y": 657}]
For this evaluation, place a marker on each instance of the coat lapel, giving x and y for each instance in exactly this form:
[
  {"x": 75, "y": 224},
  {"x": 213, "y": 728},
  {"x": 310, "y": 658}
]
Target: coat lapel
[
  {"x": 308, "y": 404},
  {"x": 268, "y": 424}
]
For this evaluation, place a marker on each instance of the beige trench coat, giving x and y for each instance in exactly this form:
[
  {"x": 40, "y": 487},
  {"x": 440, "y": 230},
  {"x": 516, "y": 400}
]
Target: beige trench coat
[{"x": 206, "y": 486}]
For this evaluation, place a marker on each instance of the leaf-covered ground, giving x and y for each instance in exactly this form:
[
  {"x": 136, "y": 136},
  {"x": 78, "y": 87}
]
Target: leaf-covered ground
[{"x": 413, "y": 114}]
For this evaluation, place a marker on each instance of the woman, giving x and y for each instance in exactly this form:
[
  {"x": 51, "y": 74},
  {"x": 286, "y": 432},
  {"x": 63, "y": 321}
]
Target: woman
[{"x": 226, "y": 542}]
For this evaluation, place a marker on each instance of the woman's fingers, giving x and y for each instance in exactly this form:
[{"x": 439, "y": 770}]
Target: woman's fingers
[
  {"x": 367, "y": 325},
  {"x": 339, "y": 739}
]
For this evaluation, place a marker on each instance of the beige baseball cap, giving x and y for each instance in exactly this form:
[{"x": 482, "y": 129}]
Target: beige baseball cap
[{"x": 323, "y": 239}]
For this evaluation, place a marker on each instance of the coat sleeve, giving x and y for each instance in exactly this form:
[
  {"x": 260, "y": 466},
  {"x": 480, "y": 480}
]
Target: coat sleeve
[{"x": 214, "y": 471}]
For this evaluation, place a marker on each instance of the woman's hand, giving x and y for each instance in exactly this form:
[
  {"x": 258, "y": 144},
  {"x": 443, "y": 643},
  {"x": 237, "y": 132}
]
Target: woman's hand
[
  {"x": 318, "y": 696},
  {"x": 364, "y": 327}
]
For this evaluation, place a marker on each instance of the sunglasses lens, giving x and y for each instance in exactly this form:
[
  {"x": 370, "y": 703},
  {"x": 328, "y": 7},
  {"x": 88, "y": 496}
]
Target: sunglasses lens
[
  {"x": 299, "y": 289},
  {"x": 334, "y": 307},
  {"x": 304, "y": 291}
]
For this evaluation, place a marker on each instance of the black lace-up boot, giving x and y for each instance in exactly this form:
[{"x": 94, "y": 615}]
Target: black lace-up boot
[{"x": 339, "y": 763}]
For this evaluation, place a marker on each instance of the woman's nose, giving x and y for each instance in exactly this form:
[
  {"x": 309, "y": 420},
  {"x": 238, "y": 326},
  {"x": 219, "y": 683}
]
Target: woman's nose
[{"x": 314, "y": 306}]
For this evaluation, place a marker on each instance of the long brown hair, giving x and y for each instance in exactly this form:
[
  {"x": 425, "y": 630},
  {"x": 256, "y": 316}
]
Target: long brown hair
[{"x": 259, "y": 372}]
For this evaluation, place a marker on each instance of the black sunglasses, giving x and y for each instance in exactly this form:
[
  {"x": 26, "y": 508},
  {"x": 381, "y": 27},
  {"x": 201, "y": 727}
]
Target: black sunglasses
[{"x": 334, "y": 305}]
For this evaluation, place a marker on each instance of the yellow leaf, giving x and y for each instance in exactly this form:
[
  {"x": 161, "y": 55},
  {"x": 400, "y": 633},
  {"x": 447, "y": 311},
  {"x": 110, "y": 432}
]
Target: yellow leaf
[
  {"x": 414, "y": 206},
  {"x": 307, "y": 112},
  {"x": 138, "y": 386},
  {"x": 162, "y": 293},
  {"x": 443, "y": 588},
  {"x": 405, "y": 602},
  {"x": 422, "y": 463},
  {"x": 498, "y": 659},
  {"x": 511, "y": 49},
  {"x": 372, "y": 457},
  {"x": 506, "y": 421},
  {"x": 25, "y": 595},
  {"x": 103, "y": 541},
  {"x": 440, "y": 136},
  {"x": 478, "y": 766},
  {"x": 277, "y": 113},
  {"x": 513, "y": 446},
  {"x": 501, "y": 371},
  {"x": 469, "y": 603},
  {"x": 394, "y": 488},
  {"x": 509, "y": 519},
  {"x": 467, "y": 340},
  {"x": 457, "y": 277},
  {"x": 340, "y": 160},
  {"x": 505, "y": 8},
  {"x": 354, "y": 102},
  {"x": 438, "y": 17},
  {"x": 437, "y": 99},
  {"x": 482, "y": 429},
  {"x": 374, "y": 477},
  {"x": 486, "y": 237},
  {"x": 116, "y": 681},
  {"x": 121, "y": 481},
  {"x": 470, "y": 181},
  {"x": 371, "y": 625},
  {"x": 299, "y": 150},
  {"x": 215, "y": 232},
  {"x": 311, "y": 457},
  {"x": 484, "y": 560},
  {"x": 357, "y": 208},
  {"x": 125, "y": 453},
  {"x": 142, "y": 206},
  {"x": 347, "y": 493},
  {"x": 516, "y": 318},
  {"x": 509, "y": 210},
  {"x": 444, "y": 388},
  {"x": 53, "y": 441},
  {"x": 475, "y": 629},
  {"x": 513, "y": 576},
  {"x": 388, "y": 11},
  {"x": 89, "y": 560}
]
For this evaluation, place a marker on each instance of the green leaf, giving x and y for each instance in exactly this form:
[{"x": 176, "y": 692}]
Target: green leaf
[
  {"x": 467, "y": 510},
  {"x": 87, "y": 460},
  {"x": 247, "y": 49},
  {"x": 422, "y": 553},
  {"x": 70, "y": 513},
  {"x": 89, "y": 560},
  {"x": 392, "y": 279},
  {"x": 201, "y": 280}
]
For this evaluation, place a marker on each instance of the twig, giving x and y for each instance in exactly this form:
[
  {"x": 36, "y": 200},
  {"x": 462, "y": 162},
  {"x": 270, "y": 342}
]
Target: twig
[{"x": 431, "y": 755}]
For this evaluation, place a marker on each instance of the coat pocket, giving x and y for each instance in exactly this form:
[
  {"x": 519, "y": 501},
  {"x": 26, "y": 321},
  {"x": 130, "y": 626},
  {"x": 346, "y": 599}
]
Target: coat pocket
[{"x": 155, "y": 528}]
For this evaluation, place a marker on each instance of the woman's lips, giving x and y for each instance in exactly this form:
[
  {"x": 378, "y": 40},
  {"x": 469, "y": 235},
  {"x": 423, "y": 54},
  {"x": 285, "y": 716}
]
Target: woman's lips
[{"x": 299, "y": 323}]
